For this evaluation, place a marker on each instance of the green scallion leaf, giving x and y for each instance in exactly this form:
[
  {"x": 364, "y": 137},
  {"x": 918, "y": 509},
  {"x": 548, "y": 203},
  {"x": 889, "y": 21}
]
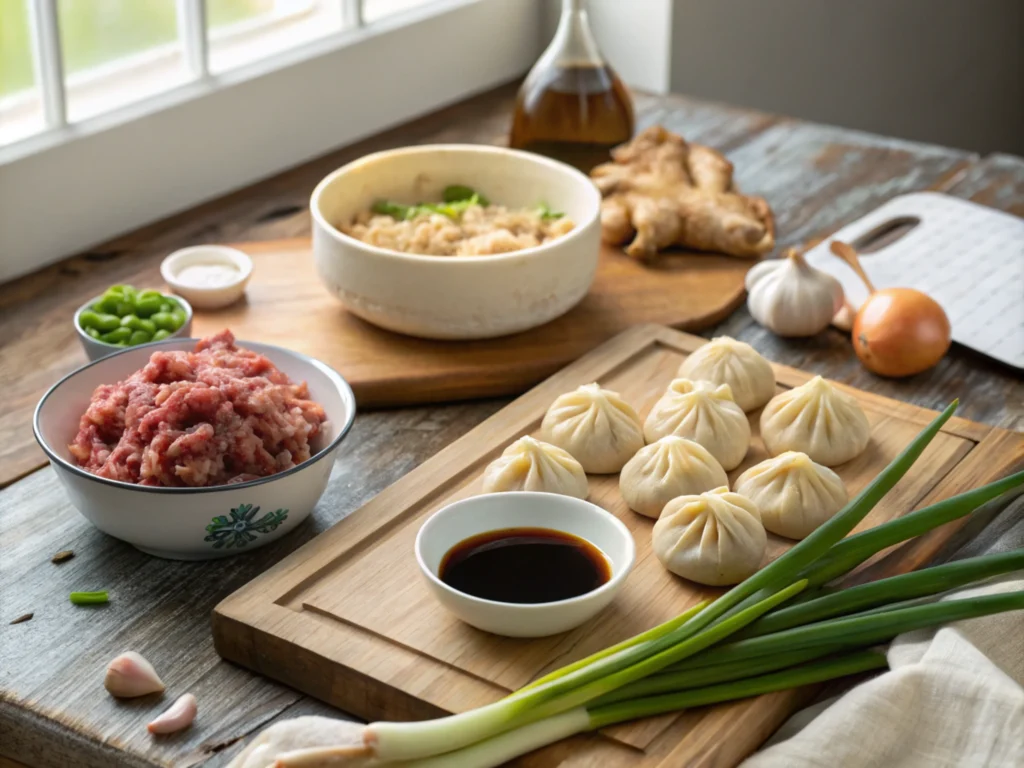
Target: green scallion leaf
[{"x": 90, "y": 598}]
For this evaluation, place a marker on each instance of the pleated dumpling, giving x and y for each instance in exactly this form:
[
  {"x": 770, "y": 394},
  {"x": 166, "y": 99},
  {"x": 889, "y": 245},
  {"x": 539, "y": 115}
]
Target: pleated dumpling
[
  {"x": 672, "y": 466},
  {"x": 818, "y": 419},
  {"x": 532, "y": 465},
  {"x": 724, "y": 360},
  {"x": 705, "y": 413},
  {"x": 793, "y": 494},
  {"x": 715, "y": 538},
  {"x": 595, "y": 425}
]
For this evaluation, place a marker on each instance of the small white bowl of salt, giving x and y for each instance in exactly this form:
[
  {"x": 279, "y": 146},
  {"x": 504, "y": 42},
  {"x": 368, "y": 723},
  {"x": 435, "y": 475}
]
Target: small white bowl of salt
[{"x": 208, "y": 276}]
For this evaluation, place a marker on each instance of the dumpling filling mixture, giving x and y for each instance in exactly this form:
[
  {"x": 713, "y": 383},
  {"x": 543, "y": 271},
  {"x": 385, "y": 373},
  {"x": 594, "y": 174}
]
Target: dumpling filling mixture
[
  {"x": 217, "y": 415},
  {"x": 464, "y": 224}
]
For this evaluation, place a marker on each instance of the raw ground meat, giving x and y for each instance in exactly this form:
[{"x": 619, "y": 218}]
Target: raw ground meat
[{"x": 218, "y": 415}]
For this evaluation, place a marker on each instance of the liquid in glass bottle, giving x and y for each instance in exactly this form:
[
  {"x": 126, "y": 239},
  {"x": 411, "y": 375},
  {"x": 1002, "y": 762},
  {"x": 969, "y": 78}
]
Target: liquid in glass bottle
[{"x": 572, "y": 106}]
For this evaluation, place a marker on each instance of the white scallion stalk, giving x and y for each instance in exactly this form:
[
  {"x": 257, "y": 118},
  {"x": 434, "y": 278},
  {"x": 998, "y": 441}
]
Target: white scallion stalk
[{"x": 511, "y": 744}]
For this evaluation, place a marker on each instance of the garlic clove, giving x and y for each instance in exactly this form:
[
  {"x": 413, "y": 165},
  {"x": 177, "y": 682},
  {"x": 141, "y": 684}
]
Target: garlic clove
[
  {"x": 130, "y": 675},
  {"x": 843, "y": 319},
  {"x": 177, "y": 717}
]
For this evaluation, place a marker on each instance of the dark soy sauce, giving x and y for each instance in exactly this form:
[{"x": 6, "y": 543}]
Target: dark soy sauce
[{"x": 525, "y": 565}]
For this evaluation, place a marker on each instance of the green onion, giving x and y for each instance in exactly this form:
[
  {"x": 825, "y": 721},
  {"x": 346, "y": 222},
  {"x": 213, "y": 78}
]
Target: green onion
[
  {"x": 394, "y": 210},
  {"x": 89, "y": 598},
  {"x": 457, "y": 193},
  {"x": 406, "y": 741},
  {"x": 650, "y": 634},
  {"x": 930, "y": 581},
  {"x": 859, "y": 629},
  {"x": 851, "y": 552},
  {"x": 601, "y": 717},
  {"x": 700, "y": 677},
  {"x": 507, "y": 746},
  {"x": 546, "y": 212}
]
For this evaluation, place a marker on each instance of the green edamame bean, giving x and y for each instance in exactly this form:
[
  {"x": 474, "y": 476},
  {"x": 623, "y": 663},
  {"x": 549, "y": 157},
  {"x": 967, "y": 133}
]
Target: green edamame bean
[
  {"x": 148, "y": 305},
  {"x": 166, "y": 306},
  {"x": 107, "y": 304},
  {"x": 150, "y": 293},
  {"x": 116, "y": 335},
  {"x": 100, "y": 321},
  {"x": 161, "y": 334},
  {"x": 125, "y": 307},
  {"x": 179, "y": 318},
  {"x": 93, "y": 332},
  {"x": 137, "y": 323},
  {"x": 139, "y": 337},
  {"x": 164, "y": 320},
  {"x": 88, "y": 318}
]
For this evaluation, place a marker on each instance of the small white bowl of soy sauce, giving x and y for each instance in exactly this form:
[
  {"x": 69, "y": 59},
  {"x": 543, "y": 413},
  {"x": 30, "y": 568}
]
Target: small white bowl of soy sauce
[{"x": 524, "y": 564}]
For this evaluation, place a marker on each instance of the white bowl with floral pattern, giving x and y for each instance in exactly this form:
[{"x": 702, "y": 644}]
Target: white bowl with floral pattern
[{"x": 193, "y": 523}]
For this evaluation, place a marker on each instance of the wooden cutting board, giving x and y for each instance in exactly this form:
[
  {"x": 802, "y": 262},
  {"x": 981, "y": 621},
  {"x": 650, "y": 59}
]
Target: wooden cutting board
[
  {"x": 347, "y": 619},
  {"x": 286, "y": 304}
]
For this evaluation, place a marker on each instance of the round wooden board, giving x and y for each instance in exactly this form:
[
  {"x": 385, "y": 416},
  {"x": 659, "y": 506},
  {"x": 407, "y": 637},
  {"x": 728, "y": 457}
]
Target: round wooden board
[{"x": 286, "y": 304}]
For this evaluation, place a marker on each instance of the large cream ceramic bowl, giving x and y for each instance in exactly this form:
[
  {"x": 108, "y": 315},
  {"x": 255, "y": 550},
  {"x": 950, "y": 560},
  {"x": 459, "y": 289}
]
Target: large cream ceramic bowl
[
  {"x": 497, "y": 511},
  {"x": 193, "y": 523},
  {"x": 457, "y": 297}
]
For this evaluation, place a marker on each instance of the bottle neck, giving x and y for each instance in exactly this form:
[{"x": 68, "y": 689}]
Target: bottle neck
[{"x": 574, "y": 43}]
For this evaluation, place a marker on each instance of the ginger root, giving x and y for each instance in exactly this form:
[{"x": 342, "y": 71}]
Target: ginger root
[{"x": 662, "y": 191}]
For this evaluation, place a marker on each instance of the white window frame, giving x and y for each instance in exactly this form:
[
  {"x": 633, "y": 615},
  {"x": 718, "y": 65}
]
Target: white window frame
[{"x": 75, "y": 185}]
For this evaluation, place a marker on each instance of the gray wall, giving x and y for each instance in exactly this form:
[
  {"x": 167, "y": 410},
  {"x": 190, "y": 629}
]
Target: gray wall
[{"x": 943, "y": 71}]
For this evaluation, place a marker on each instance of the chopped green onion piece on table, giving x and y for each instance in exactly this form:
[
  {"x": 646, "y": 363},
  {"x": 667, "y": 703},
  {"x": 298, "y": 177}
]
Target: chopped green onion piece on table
[{"x": 89, "y": 598}]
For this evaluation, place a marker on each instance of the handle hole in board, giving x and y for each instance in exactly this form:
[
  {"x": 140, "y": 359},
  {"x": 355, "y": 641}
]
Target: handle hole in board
[{"x": 885, "y": 234}]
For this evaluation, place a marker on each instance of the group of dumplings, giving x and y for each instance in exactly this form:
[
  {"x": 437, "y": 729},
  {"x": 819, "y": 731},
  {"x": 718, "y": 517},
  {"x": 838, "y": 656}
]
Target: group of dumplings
[{"x": 672, "y": 466}]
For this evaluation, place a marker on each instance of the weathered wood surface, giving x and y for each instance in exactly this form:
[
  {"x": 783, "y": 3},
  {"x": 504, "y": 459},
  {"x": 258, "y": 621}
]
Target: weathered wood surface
[
  {"x": 53, "y": 710},
  {"x": 349, "y": 620}
]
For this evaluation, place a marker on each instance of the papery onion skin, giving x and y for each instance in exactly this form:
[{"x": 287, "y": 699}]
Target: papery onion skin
[{"x": 899, "y": 332}]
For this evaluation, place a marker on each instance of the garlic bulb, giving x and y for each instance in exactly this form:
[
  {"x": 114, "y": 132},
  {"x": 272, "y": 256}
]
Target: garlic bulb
[{"x": 791, "y": 298}]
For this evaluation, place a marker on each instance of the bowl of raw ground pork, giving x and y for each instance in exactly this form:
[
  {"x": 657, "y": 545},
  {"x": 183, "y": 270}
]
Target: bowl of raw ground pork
[{"x": 191, "y": 453}]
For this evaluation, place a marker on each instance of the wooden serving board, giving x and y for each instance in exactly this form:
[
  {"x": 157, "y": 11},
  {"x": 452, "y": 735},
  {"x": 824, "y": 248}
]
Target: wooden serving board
[
  {"x": 287, "y": 304},
  {"x": 347, "y": 619}
]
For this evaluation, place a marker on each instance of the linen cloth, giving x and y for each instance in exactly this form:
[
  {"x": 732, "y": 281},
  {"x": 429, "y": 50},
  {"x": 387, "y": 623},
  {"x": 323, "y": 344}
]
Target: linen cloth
[{"x": 953, "y": 696}]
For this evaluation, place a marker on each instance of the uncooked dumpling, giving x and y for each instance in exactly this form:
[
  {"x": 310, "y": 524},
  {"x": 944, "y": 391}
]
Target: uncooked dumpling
[
  {"x": 672, "y": 466},
  {"x": 598, "y": 427},
  {"x": 793, "y": 494},
  {"x": 532, "y": 465},
  {"x": 715, "y": 538},
  {"x": 705, "y": 413},
  {"x": 818, "y": 419},
  {"x": 726, "y": 361}
]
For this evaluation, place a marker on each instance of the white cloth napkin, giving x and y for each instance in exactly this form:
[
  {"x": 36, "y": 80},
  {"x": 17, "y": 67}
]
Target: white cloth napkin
[{"x": 952, "y": 697}]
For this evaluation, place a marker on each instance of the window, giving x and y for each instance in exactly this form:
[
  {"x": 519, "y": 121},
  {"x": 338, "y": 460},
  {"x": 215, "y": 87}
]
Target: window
[
  {"x": 115, "y": 113},
  {"x": 104, "y": 54}
]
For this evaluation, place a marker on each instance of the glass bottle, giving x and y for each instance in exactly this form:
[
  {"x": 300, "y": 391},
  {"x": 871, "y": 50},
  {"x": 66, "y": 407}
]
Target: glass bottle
[{"x": 572, "y": 106}]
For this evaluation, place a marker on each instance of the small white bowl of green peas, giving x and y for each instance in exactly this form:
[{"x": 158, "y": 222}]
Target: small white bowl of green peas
[{"x": 125, "y": 317}]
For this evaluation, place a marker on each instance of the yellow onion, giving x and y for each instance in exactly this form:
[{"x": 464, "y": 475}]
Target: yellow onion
[{"x": 900, "y": 332}]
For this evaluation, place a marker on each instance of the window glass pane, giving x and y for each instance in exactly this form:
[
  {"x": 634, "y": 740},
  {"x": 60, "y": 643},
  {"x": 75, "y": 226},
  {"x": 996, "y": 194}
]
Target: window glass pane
[
  {"x": 243, "y": 31},
  {"x": 118, "y": 51},
  {"x": 378, "y": 9},
  {"x": 21, "y": 110}
]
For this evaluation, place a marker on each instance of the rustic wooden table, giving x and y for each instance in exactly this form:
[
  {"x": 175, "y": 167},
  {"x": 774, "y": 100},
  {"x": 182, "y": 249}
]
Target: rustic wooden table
[{"x": 53, "y": 710}]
